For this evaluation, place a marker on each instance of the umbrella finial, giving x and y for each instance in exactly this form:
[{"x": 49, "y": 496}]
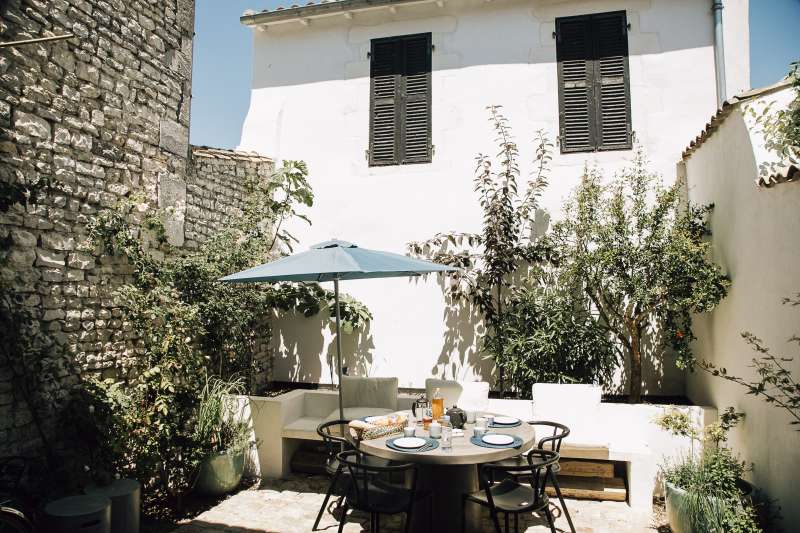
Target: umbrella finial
[{"x": 333, "y": 243}]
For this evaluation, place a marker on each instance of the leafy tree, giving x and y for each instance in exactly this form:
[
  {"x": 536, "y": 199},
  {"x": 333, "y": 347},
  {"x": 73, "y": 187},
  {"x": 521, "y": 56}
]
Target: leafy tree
[
  {"x": 507, "y": 241},
  {"x": 550, "y": 337},
  {"x": 640, "y": 256}
]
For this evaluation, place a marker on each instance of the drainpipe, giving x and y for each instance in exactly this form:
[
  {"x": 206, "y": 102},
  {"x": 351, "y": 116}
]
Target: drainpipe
[{"x": 719, "y": 51}]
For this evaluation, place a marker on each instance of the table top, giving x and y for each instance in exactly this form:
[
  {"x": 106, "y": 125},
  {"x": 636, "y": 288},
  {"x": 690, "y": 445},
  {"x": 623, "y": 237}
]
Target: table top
[{"x": 463, "y": 451}]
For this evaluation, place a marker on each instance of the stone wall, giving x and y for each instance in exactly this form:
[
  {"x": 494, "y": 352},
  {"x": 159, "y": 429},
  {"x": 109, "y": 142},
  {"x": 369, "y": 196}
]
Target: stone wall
[{"x": 106, "y": 114}]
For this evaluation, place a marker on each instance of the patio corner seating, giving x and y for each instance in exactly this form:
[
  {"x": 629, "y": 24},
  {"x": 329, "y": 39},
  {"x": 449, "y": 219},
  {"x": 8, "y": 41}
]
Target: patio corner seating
[
  {"x": 464, "y": 394},
  {"x": 600, "y": 432},
  {"x": 283, "y": 422}
]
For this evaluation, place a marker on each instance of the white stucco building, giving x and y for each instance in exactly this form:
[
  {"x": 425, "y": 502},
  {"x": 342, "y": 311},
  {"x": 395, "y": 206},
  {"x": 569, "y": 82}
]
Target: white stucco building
[{"x": 390, "y": 128}]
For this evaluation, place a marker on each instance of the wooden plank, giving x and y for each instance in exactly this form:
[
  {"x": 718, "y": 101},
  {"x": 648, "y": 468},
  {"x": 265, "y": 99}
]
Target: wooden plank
[
  {"x": 577, "y": 467},
  {"x": 591, "y": 488}
]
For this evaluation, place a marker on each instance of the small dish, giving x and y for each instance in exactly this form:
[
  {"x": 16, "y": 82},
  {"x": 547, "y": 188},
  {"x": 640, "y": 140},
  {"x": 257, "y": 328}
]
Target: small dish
[
  {"x": 409, "y": 443},
  {"x": 498, "y": 439}
]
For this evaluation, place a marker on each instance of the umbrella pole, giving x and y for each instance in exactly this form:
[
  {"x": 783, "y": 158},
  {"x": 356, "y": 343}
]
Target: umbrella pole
[{"x": 338, "y": 344}]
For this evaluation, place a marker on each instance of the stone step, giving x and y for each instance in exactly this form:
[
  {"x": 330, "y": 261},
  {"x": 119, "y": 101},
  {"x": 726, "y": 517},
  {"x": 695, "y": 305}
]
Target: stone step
[
  {"x": 586, "y": 468},
  {"x": 591, "y": 488}
]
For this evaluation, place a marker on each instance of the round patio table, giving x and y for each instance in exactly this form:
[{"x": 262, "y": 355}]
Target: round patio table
[{"x": 449, "y": 474}]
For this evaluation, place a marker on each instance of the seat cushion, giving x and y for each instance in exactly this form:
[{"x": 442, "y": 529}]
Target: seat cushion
[
  {"x": 352, "y": 413},
  {"x": 369, "y": 392},
  {"x": 469, "y": 395}
]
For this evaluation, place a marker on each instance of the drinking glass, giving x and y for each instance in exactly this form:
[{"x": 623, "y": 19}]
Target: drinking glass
[
  {"x": 471, "y": 416},
  {"x": 408, "y": 431},
  {"x": 480, "y": 422},
  {"x": 478, "y": 431},
  {"x": 447, "y": 437}
]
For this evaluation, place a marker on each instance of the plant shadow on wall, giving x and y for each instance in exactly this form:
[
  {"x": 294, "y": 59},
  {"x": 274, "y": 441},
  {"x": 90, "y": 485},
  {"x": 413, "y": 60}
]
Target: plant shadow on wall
[
  {"x": 301, "y": 343},
  {"x": 615, "y": 281}
]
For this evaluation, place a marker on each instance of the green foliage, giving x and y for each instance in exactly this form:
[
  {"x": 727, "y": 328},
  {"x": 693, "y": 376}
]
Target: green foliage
[
  {"x": 715, "y": 498},
  {"x": 217, "y": 423},
  {"x": 781, "y": 127},
  {"x": 775, "y": 383},
  {"x": 640, "y": 257},
  {"x": 196, "y": 335},
  {"x": 546, "y": 337},
  {"x": 508, "y": 239}
]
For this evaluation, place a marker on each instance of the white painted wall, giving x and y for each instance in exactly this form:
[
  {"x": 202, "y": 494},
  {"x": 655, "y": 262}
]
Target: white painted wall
[
  {"x": 755, "y": 240},
  {"x": 310, "y": 100}
]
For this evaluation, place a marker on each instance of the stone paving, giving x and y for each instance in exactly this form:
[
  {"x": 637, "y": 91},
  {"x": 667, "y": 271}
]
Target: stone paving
[{"x": 289, "y": 506}]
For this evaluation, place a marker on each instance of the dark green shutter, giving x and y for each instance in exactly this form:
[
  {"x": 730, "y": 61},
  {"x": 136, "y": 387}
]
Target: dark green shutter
[
  {"x": 384, "y": 102},
  {"x": 593, "y": 79},
  {"x": 611, "y": 81},
  {"x": 400, "y": 100},
  {"x": 574, "y": 50}
]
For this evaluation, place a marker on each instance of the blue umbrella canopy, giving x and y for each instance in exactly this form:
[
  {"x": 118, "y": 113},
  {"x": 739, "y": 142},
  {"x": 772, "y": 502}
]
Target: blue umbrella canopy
[
  {"x": 332, "y": 260},
  {"x": 335, "y": 261}
]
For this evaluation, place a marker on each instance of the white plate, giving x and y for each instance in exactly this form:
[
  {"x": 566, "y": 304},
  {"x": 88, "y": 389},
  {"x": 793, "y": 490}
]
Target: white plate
[
  {"x": 410, "y": 442},
  {"x": 495, "y": 438},
  {"x": 505, "y": 420}
]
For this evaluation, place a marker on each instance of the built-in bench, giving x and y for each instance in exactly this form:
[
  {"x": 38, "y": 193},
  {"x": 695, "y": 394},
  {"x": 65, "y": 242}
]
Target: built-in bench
[{"x": 620, "y": 434}]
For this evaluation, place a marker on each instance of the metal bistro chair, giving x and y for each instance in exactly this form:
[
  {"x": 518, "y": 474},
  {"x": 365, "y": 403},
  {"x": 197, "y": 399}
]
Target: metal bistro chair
[
  {"x": 556, "y": 434},
  {"x": 513, "y": 496},
  {"x": 334, "y": 436},
  {"x": 370, "y": 493}
]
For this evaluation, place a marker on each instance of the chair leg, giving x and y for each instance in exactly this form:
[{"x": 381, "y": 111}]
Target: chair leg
[
  {"x": 343, "y": 519},
  {"x": 564, "y": 509},
  {"x": 331, "y": 488},
  {"x": 409, "y": 515},
  {"x": 550, "y": 521},
  {"x": 516, "y": 522},
  {"x": 463, "y": 514},
  {"x": 377, "y": 522},
  {"x": 496, "y": 521},
  {"x": 506, "y": 521}
]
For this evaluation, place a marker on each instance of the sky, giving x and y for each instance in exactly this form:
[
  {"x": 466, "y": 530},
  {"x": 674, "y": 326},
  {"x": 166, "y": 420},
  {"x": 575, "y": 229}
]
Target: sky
[{"x": 223, "y": 51}]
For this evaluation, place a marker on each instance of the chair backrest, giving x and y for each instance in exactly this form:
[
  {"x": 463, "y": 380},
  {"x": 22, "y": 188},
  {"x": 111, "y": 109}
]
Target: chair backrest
[
  {"x": 369, "y": 392},
  {"x": 364, "y": 469},
  {"x": 335, "y": 435},
  {"x": 553, "y": 434},
  {"x": 465, "y": 394},
  {"x": 540, "y": 462}
]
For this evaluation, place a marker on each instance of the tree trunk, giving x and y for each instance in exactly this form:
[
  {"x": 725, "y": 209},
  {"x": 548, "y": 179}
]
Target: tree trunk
[
  {"x": 635, "y": 395},
  {"x": 498, "y": 321}
]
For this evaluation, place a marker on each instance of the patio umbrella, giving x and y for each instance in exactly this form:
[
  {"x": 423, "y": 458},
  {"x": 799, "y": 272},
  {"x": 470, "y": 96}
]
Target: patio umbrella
[{"x": 335, "y": 261}]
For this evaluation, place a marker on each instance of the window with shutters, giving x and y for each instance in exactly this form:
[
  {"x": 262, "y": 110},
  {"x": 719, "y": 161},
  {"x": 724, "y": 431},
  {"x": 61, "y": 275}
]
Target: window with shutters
[
  {"x": 593, "y": 83},
  {"x": 400, "y": 100}
]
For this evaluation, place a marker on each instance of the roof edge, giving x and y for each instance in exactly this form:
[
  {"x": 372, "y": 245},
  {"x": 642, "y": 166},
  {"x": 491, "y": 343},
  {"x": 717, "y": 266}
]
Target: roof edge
[
  {"x": 224, "y": 153},
  {"x": 727, "y": 108},
  {"x": 311, "y": 10}
]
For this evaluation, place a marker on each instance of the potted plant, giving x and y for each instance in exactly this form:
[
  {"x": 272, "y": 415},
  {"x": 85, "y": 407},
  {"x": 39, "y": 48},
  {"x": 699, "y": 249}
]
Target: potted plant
[
  {"x": 226, "y": 437},
  {"x": 705, "y": 491}
]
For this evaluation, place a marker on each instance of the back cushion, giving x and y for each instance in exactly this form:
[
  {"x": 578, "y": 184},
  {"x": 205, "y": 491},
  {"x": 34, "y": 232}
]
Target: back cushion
[
  {"x": 369, "y": 392},
  {"x": 450, "y": 391},
  {"x": 574, "y": 405}
]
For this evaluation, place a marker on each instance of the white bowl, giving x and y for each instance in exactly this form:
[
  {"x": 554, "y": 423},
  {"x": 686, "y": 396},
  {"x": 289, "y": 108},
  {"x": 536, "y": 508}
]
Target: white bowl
[
  {"x": 498, "y": 439},
  {"x": 410, "y": 442}
]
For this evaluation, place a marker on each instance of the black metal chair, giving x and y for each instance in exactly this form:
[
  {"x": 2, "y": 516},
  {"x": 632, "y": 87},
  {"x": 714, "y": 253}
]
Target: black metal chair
[
  {"x": 512, "y": 495},
  {"x": 555, "y": 434},
  {"x": 335, "y": 438},
  {"x": 370, "y": 492}
]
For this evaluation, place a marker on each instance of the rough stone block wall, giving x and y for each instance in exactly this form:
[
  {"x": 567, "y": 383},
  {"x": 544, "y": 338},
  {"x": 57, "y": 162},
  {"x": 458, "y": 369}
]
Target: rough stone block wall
[{"x": 106, "y": 114}]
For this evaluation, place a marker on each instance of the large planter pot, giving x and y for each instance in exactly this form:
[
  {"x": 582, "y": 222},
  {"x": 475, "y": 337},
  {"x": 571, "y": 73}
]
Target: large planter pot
[
  {"x": 220, "y": 473},
  {"x": 125, "y": 496},
  {"x": 676, "y": 500}
]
